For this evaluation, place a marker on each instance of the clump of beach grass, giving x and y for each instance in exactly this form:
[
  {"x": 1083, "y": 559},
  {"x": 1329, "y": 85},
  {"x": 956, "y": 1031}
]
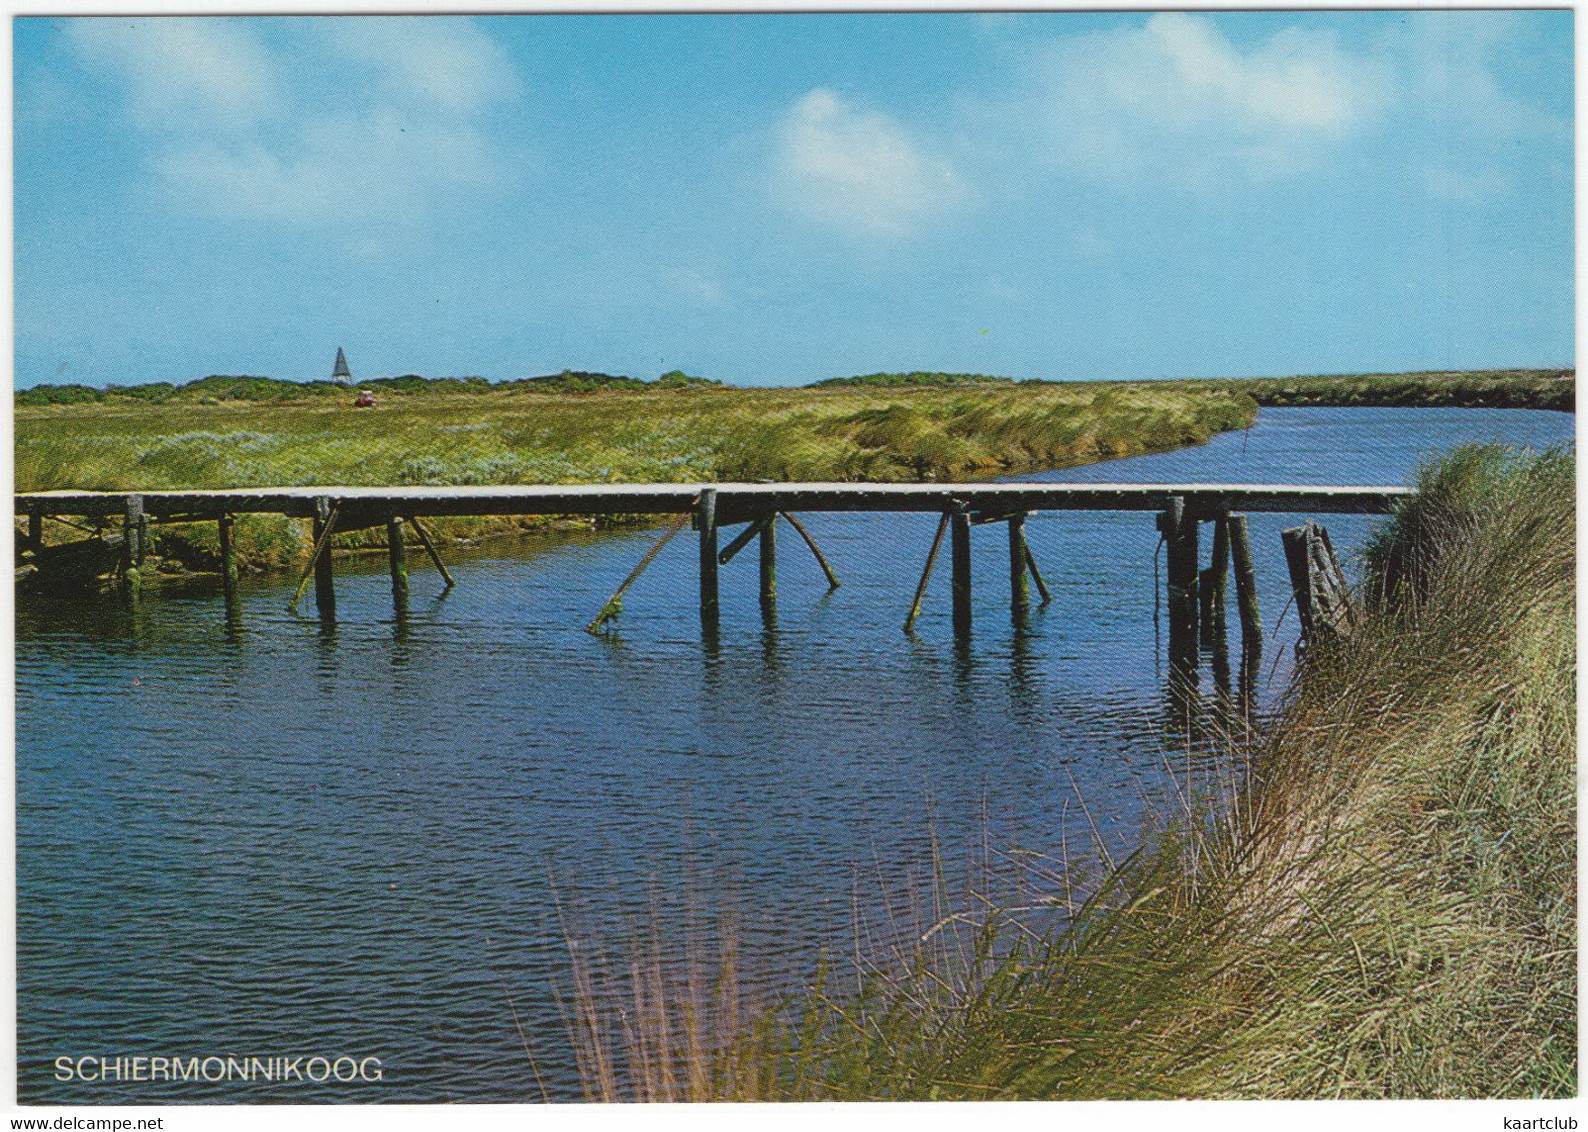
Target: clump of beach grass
[{"x": 1385, "y": 908}]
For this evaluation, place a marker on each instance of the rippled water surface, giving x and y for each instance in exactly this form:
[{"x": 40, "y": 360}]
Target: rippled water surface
[{"x": 255, "y": 836}]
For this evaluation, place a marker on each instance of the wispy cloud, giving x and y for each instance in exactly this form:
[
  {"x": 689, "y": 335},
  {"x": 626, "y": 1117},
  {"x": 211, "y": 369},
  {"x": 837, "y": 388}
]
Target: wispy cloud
[
  {"x": 1176, "y": 94},
  {"x": 858, "y": 169},
  {"x": 328, "y": 121},
  {"x": 181, "y": 73},
  {"x": 1454, "y": 97},
  {"x": 452, "y": 64}
]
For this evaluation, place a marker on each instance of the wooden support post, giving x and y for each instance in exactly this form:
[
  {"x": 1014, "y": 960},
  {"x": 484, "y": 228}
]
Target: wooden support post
[
  {"x": 1036, "y": 576},
  {"x": 430, "y": 549},
  {"x": 1245, "y": 587},
  {"x": 959, "y": 548},
  {"x": 397, "y": 559},
  {"x": 321, "y": 542},
  {"x": 614, "y": 604},
  {"x": 1213, "y": 582},
  {"x": 926, "y": 574},
  {"x": 226, "y": 529},
  {"x": 769, "y": 563},
  {"x": 706, "y": 523},
  {"x": 1019, "y": 583},
  {"x": 132, "y": 528},
  {"x": 324, "y": 581},
  {"x": 742, "y": 540},
  {"x": 821, "y": 559},
  {"x": 35, "y": 532},
  {"x": 1298, "y": 558},
  {"x": 1180, "y": 534}
]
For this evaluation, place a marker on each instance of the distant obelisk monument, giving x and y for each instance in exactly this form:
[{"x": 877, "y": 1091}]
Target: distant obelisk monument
[{"x": 341, "y": 372}]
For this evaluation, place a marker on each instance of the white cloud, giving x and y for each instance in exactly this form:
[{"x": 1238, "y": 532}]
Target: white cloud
[
  {"x": 376, "y": 167},
  {"x": 1175, "y": 94},
  {"x": 450, "y": 63},
  {"x": 699, "y": 287},
  {"x": 382, "y": 118},
  {"x": 858, "y": 169},
  {"x": 1452, "y": 74},
  {"x": 181, "y": 72},
  {"x": 1466, "y": 186}
]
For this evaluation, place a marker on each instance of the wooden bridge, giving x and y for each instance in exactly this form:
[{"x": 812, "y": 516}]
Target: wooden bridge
[{"x": 1195, "y": 594}]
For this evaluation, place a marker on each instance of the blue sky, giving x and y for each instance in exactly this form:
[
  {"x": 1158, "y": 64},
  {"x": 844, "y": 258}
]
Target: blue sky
[{"x": 775, "y": 199}]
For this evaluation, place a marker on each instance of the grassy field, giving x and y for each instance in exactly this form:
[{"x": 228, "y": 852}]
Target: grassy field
[
  {"x": 1385, "y": 908},
  {"x": 659, "y": 435}
]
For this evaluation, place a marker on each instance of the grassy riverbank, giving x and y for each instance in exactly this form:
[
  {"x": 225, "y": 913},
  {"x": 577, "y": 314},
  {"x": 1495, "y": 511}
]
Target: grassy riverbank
[
  {"x": 657, "y": 435},
  {"x": 1494, "y": 389},
  {"x": 1387, "y": 909}
]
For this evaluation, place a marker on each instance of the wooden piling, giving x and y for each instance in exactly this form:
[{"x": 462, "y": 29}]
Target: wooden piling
[
  {"x": 430, "y": 549},
  {"x": 226, "y": 530},
  {"x": 397, "y": 559},
  {"x": 706, "y": 523},
  {"x": 1213, "y": 583},
  {"x": 926, "y": 573},
  {"x": 324, "y": 581},
  {"x": 1180, "y": 534},
  {"x": 1036, "y": 576},
  {"x": 132, "y": 528},
  {"x": 1245, "y": 587},
  {"x": 959, "y": 550},
  {"x": 821, "y": 559},
  {"x": 1019, "y": 583},
  {"x": 768, "y": 541},
  {"x": 35, "y": 531},
  {"x": 742, "y": 540},
  {"x": 1298, "y": 561},
  {"x": 614, "y": 604}
]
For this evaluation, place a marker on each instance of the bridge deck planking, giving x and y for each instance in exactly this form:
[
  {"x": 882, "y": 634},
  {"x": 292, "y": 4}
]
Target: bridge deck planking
[{"x": 736, "y": 502}]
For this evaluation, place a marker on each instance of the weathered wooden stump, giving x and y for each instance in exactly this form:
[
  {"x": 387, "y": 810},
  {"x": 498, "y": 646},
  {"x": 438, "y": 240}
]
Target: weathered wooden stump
[{"x": 1323, "y": 599}]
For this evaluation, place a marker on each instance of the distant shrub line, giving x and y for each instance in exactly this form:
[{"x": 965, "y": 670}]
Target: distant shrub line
[
  {"x": 1499, "y": 389},
  {"x": 219, "y": 387}
]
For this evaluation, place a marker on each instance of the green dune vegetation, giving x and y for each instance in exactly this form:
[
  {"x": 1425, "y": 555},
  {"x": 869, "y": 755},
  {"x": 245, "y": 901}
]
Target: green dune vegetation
[
  {"x": 1384, "y": 907},
  {"x": 1495, "y": 389},
  {"x": 675, "y": 430}
]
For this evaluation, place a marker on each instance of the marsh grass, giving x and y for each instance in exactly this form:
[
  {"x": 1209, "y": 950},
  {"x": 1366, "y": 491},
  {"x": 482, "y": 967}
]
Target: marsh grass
[
  {"x": 673, "y": 436},
  {"x": 1384, "y": 908},
  {"x": 1496, "y": 389}
]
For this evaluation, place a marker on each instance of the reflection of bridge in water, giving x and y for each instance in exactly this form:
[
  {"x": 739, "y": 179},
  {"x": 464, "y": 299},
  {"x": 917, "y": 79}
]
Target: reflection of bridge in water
[{"x": 1194, "y": 593}]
